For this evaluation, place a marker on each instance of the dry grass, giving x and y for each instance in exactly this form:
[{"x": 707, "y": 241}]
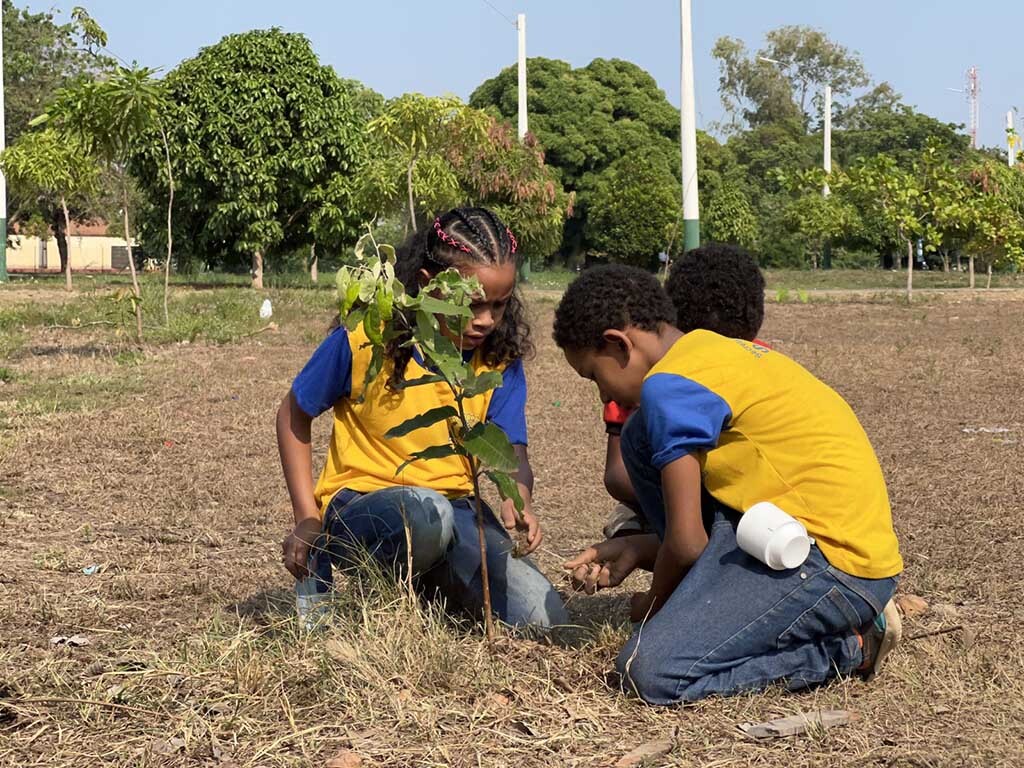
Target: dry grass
[{"x": 161, "y": 470}]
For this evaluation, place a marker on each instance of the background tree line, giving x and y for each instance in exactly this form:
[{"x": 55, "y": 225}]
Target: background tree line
[{"x": 253, "y": 154}]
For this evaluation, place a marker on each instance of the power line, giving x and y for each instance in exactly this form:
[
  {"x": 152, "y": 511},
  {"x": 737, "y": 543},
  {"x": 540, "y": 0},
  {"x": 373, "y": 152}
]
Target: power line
[{"x": 498, "y": 11}]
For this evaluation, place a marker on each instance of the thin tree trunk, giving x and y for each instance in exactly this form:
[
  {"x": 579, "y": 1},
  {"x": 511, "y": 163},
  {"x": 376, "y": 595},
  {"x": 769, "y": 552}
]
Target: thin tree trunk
[
  {"x": 970, "y": 268},
  {"x": 945, "y": 261},
  {"x": 988, "y": 284},
  {"x": 131, "y": 258},
  {"x": 910, "y": 270},
  {"x": 67, "y": 244},
  {"x": 314, "y": 272},
  {"x": 412, "y": 205},
  {"x": 170, "y": 207},
  {"x": 488, "y": 621},
  {"x": 814, "y": 259},
  {"x": 959, "y": 265},
  {"x": 897, "y": 260},
  {"x": 257, "y": 270}
]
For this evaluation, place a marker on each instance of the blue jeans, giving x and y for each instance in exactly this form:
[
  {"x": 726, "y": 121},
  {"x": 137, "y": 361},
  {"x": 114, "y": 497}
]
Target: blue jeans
[
  {"x": 733, "y": 624},
  {"x": 445, "y": 553}
]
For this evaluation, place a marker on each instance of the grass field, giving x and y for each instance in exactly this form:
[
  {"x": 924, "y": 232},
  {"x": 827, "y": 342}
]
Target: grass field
[{"x": 155, "y": 470}]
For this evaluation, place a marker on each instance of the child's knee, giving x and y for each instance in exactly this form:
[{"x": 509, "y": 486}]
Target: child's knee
[
  {"x": 646, "y": 674},
  {"x": 431, "y": 523}
]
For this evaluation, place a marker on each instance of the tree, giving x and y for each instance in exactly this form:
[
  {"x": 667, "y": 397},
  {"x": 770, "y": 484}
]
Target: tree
[
  {"x": 815, "y": 218},
  {"x": 370, "y": 295},
  {"x": 996, "y": 212},
  {"x": 53, "y": 170},
  {"x": 634, "y": 206},
  {"x": 267, "y": 145},
  {"x": 41, "y": 57},
  {"x": 586, "y": 119},
  {"x": 415, "y": 133},
  {"x": 108, "y": 117},
  {"x": 803, "y": 60}
]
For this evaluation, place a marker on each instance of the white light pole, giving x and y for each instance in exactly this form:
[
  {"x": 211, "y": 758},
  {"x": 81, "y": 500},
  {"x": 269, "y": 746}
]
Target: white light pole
[
  {"x": 523, "y": 120},
  {"x": 688, "y": 131},
  {"x": 1011, "y": 140},
  {"x": 3, "y": 179}
]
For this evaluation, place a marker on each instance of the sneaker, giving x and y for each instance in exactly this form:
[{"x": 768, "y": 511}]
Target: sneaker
[
  {"x": 879, "y": 638},
  {"x": 623, "y": 521}
]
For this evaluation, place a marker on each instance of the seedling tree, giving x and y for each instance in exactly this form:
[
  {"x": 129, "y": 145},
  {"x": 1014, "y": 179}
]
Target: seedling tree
[{"x": 369, "y": 295}]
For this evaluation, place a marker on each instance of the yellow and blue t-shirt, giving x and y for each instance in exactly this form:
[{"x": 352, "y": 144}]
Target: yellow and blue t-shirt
[
  {"x": 765, "y": 429},
  {"x": 360, "y": 458}
]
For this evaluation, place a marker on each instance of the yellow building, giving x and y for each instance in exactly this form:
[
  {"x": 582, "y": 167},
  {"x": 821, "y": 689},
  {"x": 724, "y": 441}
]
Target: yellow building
[{"x": 90, "y": 249}]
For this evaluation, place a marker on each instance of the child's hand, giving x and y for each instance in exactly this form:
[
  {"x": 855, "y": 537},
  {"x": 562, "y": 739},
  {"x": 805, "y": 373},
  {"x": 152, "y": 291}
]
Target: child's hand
[
  {"x": 604, "y": 565},
  {"x": 524, "y": 521},
  {"x": 295, "y": 547}
]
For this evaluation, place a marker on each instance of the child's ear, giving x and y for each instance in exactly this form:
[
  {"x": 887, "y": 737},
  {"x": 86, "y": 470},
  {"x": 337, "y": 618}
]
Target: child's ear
[{"x": 618, "y": 345}]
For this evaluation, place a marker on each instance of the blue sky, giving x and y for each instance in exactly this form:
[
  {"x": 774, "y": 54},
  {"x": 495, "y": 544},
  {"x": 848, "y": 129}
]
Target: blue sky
[{"x": 922, "y": 47}]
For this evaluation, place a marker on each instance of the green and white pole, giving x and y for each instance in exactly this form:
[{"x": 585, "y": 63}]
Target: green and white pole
[
  {"x": 3, "y": 179},
  {"x": 826, "y": 251},
  {"x": 524, "y": 121},
  {"x": 688, "y": 132}
]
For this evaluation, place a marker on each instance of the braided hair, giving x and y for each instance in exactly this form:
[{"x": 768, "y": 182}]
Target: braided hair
[{"x": 462, "y": 237}]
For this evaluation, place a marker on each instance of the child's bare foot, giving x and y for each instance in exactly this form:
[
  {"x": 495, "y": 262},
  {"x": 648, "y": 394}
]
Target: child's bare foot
[{"x": 879, "y": 638}]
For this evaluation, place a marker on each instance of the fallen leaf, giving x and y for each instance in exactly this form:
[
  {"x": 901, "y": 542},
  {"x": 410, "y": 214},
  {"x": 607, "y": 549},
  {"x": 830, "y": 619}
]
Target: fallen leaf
[
  {"x": 404, "y": 695},
  {"x": 946, "y": 611},
  {"x": 647, "y": 751},
  {"x": 499, "y": 700},
  {"x": 798, "y": 724},
  {"x": 345, "y": 759},
  {"x": 911, "y": 605}
]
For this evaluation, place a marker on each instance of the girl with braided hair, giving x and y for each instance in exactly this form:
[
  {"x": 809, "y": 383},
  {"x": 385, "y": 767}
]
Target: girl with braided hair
[{"x": 359, "y": 504}]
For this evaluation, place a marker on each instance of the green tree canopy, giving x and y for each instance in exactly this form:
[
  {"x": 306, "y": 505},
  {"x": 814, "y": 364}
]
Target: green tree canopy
[{"x": 267, "y": 145}]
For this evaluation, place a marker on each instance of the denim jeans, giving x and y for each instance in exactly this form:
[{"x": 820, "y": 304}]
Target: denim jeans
[
  {"x": 445, "y": 553},
  {"x": 733, "y": 624}
]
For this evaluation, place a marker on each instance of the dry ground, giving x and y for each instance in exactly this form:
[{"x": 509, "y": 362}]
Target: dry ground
[{"x": 162, "y": 472}]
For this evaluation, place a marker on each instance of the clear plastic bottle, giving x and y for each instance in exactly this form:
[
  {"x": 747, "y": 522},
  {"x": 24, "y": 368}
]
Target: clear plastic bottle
[{"x": 310, "y": 605}]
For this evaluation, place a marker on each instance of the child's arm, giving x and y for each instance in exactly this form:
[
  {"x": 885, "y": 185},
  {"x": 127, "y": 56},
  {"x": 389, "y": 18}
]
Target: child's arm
[
  {"x": 293, "y": 444},
  {"x": 685, "y": 537},
  {"x": 616, "y": 479},
  {"x": 526, "y": 521}
]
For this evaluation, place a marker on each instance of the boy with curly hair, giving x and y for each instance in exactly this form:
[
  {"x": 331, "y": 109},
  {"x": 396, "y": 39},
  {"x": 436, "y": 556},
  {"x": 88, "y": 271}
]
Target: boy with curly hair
[
  {"x": 717, "y": 287},
  {"x": 754, "y": 426}
]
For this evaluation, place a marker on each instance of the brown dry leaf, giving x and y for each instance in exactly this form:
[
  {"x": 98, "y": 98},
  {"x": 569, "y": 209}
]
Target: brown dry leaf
[
  {"x": 345, "y": 759},
  {"x": 168, "y": 746},
  {"x": 499, "y": 700},
  {"x": 911, "y": 605},
  {"x": 798, "y": 724},
  {"x": 645, "y": 752},
  {"x": 404, "y": 695}
]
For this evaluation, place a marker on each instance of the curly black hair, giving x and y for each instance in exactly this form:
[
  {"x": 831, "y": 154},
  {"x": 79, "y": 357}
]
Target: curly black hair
[
  {"x": 612, "y": 296},
  {"x": 459, "y": 238},
  {"x": 719, "y": 288}
]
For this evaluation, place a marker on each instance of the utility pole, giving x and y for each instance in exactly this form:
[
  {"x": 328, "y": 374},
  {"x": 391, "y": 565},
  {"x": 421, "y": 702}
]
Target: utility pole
[
  {"x": 973, "y": 89},
  {"x": 524, "y": 267},
  {"x": 826, "y": 251},
  {"x": 688, "y": 131},
  {"x": 523, "y": 120},
  {"x": 3, "y": 179},
  {"x": 1011, "y": 140}
]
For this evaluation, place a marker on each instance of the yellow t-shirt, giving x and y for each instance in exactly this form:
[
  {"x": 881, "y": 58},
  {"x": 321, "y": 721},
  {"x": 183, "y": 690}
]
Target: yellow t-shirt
[
  {"x": 765, "y": 429},
  {"x": 359, "y": 457}
]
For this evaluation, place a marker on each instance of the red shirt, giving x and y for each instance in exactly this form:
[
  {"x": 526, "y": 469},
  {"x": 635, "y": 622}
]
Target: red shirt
[{"x": 615, "y": 415}]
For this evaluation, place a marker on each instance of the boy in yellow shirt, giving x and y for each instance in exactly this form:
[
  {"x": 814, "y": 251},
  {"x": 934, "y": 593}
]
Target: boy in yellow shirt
[{"x": 753, "y": 426}]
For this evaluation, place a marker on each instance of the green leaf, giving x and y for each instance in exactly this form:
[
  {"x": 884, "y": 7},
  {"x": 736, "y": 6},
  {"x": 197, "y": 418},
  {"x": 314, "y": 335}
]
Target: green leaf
[
  {"x": 387, "y": 252},
  {"x": 507, "y": 487},
  {"x": 488, "y": 444},
  {"x": 373, "y": 369},
  {"x": 430, "y": 378},
  {"x": 427, "y": 419},
  {"x": 372, "y": 326},
  {"x": 446, "y": 308},
  {"x": 433, "y": 452},
  {"x": 484, "y": 382},
  {"x": 354, "y": 318}
]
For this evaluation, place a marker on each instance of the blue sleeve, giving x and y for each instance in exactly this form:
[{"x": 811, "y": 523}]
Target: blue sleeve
[
  {"x": 508, "y": 403},
  {"x": 682, "y": 416},
  {"x": 327, "y": 377}
]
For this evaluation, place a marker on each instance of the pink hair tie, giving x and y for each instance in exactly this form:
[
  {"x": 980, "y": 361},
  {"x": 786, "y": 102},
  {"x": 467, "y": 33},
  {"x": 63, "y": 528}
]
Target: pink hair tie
[
  {"x": 512, "y": 238},
  {"x": 448, "y": 239}
]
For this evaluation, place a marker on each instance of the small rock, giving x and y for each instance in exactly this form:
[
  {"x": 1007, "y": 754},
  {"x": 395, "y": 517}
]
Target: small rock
[{"x": 911, "y": 605}]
